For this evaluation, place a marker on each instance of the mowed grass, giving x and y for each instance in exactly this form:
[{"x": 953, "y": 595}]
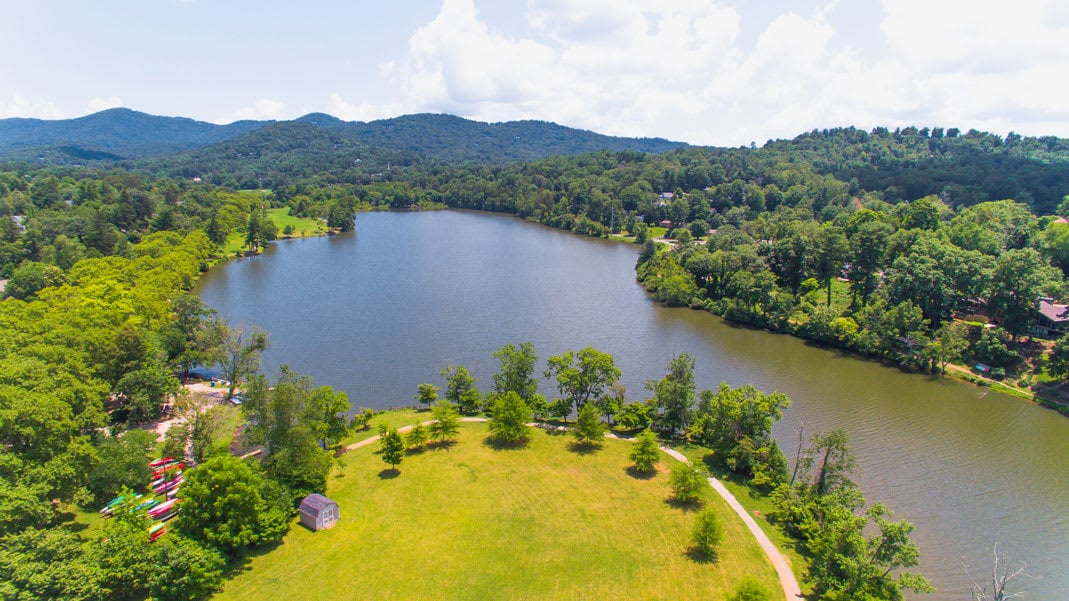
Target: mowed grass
[
  {"x": 235, "y": 241},
  {"x": 474, "y": 522}
]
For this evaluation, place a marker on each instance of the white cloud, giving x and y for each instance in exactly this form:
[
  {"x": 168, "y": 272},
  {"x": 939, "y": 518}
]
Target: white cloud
[
  {"x": 20, "y": 106},
  {"x": 680, "y": 69},
  {"x": 100, "y": 104},
  {"x": 262, "y": 109},
  {"x": 363, "y": 111}
]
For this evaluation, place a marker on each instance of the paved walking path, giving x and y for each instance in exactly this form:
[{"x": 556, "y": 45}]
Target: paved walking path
[
  {"x": 786, "y": 577},
  {"x": 779, "y": 561}
]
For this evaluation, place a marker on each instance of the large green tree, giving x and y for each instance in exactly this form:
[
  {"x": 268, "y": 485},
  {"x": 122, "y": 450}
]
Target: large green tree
[
  {"x": 674, "y": 395},
  {"x": 584, "y": 375},
  {"x": 231, "y": 506}
]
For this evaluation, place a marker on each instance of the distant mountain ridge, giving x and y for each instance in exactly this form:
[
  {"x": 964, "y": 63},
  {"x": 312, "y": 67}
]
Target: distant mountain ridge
[{"x": 118, "y": 134}]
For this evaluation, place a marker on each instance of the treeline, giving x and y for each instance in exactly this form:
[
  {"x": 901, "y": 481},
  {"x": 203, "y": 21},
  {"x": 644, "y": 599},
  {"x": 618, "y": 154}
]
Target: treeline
[
  {"x": 99, "y": 327},
  {"x": 886, "y": 280}
]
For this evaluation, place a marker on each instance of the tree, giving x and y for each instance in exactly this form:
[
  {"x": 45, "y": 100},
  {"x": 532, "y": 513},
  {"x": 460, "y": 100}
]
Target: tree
[
  {"x": 417, "y": 437},
  {"x": 1020, "y": 277},
  {"x": 948, "y": 345},
  {"x": 301, "y": 464},
  {"x": 737, "y": 424},
  {"x": 645, "y": 452},
  {"x": 829, "y": 454},
  {"x": 674, "y": 394},
  {"x": 292, "y": 401},
  {"x": 460, "y": 389},
  {"x": 31, "y": 277},
  {"x": 29, "y": 562},
  {"x": 236, "y": 350},
  {"x": 707, "y": 534},
  {"x": 687, "y": 483},
  {"x": 426, "y": 394},
  {"x": 1002, "y": 577},
  {"x": 848, "y": 564},
  {"x": 517, "y": 370},
  {"x": 121, "y": 462},
  {"x": 230, "y": 506},
  {"x": 362, "y": 419},
  {"x": 186, "y": 570},
  {"x": 393, "y": 449},
  {"x": 589, "y": 429},
  {"x": 832, "y": 251},
  {"x": 446, "y": 421},
  {"x": 583, "y": 376},
  {"x": 1058, "y": 359},
  {"x": 146, "y": 390},
  {"x": 509, "y": 418}
]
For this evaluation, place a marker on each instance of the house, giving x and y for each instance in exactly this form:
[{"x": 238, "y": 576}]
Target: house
[
  {"x": 1052, "y": 319},
  {"x": 318, "y": 512},
  {"x": 665, "y": 223}
]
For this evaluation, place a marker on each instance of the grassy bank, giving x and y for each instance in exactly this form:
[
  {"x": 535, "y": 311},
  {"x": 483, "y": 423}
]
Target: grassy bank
[{"x": 474, "y": 522}]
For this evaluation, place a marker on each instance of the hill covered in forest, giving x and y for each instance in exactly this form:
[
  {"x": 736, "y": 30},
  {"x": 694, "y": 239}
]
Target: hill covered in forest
[{"x": 118, "y": 134}]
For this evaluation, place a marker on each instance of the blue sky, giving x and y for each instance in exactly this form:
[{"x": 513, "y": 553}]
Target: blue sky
[{"x": 722, "y": 72}]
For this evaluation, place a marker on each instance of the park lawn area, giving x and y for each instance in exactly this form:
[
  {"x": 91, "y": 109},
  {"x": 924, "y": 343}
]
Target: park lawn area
[
  {"x": 392, "y": 418},
  {"x": 302, "y": 226},
  {"x": 471, "y": 521},
  {"x": 759, "y": 506}
]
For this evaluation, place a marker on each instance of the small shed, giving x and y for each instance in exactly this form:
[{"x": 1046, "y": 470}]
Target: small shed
[{"x": 318, "y": 512}]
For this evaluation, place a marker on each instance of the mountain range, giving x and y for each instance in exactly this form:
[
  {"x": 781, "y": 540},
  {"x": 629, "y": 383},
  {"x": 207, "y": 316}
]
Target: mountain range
[{"x": 122, "y": 134}]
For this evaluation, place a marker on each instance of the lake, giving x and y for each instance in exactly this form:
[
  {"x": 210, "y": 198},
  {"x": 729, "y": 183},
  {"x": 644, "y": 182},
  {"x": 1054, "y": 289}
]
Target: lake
[{"x": 380, "y": 310}]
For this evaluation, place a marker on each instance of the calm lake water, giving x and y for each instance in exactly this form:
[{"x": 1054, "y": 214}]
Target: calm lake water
[{"x": 381, "y": 310}]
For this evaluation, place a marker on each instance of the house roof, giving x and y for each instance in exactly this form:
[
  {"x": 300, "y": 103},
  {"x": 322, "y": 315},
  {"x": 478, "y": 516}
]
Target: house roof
[
  {"x": 1053, "y": 311},
  {"x": 314, "y": 503}
]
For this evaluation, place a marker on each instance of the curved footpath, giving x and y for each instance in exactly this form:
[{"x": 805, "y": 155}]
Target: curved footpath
[
  {"x": 791, "y": 590},
  {"x": 786, "y": 577}
]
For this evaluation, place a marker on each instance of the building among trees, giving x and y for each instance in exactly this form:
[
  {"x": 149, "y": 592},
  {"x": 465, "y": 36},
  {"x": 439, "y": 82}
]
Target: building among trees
[{"x": 319, "y": 512}]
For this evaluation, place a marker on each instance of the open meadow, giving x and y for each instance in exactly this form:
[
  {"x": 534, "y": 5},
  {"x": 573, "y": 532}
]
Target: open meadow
[{"x": 470, "y": 521}]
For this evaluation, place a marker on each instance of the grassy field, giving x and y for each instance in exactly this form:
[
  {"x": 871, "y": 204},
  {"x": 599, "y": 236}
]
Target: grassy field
[
  {"x": 301, "y": 227},
  {"x": 474, "y": 522}
]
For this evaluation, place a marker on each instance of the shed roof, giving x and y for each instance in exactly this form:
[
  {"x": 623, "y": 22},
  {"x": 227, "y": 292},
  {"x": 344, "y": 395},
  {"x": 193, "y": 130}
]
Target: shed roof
[
  {"x": 1053, "y": 311},
  {"x": 314, "y": 503}
]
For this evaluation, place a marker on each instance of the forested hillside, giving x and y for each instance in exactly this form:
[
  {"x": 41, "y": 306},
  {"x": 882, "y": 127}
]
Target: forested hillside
[
  {"x": 109, "y": 135},
  {"x": 119, "y": 134}
]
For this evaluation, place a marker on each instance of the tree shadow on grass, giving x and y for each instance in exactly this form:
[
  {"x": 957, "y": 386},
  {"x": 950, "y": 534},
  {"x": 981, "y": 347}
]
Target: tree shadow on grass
[
  {"x": 638, "y": 474},
  {"x": 504, "y": 445},
  {"x": 443, "y": 445},
  {"x": 688, "y": 506},
  {"x": 583, "y": 448},
  {"x": 242, "y": 561},
  {"x": 389, "y": 473},
  {"x": 698, "y": 556},
  {"x": 416, "y": 450}
]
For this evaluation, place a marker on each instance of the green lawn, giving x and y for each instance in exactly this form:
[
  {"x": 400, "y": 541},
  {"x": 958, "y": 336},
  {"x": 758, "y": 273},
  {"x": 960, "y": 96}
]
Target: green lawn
[
  {"x": 394, "y": 418},
  {"x": 474, "y": 522},
  {"x": 302, "y": 227},
  {"x": 757, "y": 504}
]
